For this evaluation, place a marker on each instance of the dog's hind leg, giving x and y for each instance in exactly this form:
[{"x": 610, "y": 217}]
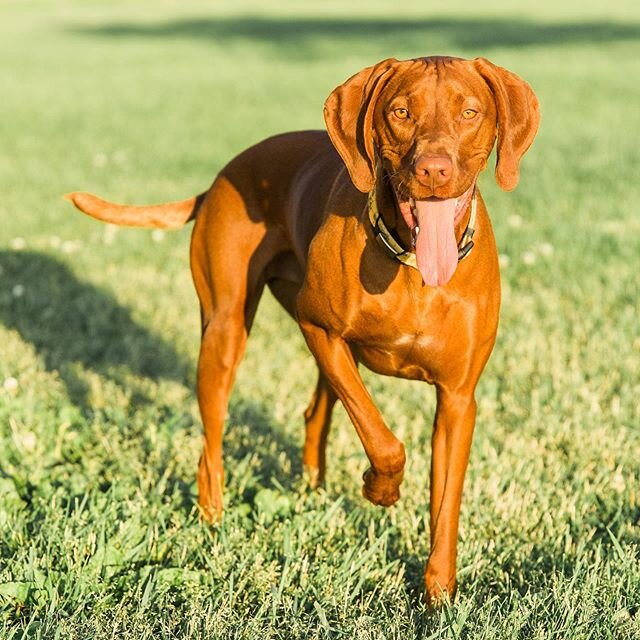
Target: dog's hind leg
[
  {"x": 223, "y": 342},
  {"x": 228, "y": 254},
  {"x": 317, "y": 418}
]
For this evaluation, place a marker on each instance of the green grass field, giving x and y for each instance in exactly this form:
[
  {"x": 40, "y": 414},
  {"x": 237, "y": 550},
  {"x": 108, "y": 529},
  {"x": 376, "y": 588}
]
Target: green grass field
[{"x": 99, "y": 429}]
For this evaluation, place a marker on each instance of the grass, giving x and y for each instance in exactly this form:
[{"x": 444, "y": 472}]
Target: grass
[{"x": 99, "y": 431}]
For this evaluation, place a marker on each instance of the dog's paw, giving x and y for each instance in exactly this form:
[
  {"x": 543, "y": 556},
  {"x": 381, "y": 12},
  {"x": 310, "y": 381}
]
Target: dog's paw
[
  {"x": 439, "y": 587},
  {"x": 381, "y": 489},
  {"x": 313, "y": 476},
  {"x": 210, "y": 514}
]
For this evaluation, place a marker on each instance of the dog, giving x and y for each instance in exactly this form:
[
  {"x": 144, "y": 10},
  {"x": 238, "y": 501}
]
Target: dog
[{"x": 373, "y": 235}]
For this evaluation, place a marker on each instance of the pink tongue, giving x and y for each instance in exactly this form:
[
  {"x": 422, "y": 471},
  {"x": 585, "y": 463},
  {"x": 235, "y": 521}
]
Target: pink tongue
[{"x": 436, "y": 249}]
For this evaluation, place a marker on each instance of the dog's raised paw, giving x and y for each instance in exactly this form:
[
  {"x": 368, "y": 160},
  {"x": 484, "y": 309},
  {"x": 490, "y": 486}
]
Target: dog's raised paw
[{"x": 383, "y": 490}]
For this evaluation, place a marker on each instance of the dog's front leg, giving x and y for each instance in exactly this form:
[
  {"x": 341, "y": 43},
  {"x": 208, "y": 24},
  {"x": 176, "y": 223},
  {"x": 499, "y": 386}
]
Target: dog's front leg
[
  {"x": 451, "y": 443},
  {"x": 385, "y": 452}
]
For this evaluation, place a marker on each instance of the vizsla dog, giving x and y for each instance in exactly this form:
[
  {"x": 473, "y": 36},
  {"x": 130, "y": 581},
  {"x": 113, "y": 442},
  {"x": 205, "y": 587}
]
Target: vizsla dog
[{"x": 376, "y": 240}]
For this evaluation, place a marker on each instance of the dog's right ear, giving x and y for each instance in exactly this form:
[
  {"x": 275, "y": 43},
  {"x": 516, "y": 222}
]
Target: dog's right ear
[{"x": 348, "y": 114}]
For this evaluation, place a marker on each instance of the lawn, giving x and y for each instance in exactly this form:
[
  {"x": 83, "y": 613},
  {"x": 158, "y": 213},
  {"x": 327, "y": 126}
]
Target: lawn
[{"x": 99, "y": 429}]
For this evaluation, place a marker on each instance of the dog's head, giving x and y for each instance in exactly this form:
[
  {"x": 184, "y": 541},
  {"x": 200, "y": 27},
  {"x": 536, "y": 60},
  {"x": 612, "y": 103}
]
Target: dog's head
[
  {"x": 428, "y": 126},
  {"x": 401, "y": 112}
]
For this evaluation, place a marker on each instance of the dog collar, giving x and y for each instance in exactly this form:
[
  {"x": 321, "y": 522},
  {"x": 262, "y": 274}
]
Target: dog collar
[{"x": 384, "y": 238}]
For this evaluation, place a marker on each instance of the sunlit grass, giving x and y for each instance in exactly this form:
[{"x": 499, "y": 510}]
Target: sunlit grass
[{"x": 99, "y": 430}]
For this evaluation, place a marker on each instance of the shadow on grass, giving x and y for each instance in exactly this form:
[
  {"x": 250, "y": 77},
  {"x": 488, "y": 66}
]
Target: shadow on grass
[
  {"x": 293, "y": 33},
  {"x": 72, "y": 322},
  {"x": 262, "y": 435},
  {"x": 257, "y": 455}
]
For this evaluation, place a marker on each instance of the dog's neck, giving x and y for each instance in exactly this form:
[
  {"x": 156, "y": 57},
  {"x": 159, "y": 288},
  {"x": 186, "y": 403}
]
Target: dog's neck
[
  {"x": 395, "y": 237},
  {"x": 395, "y": 224}
]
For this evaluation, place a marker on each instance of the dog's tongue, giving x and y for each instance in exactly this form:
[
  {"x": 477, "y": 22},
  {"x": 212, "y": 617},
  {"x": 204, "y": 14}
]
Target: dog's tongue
[{"x": 436, "y": 248}]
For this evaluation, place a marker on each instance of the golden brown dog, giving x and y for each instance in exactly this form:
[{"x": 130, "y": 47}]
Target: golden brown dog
[{"x": 369, "y": 249}]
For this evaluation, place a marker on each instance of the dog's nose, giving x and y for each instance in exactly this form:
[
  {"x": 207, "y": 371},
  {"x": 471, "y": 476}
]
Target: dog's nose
[{"x": 433, "y": 169}]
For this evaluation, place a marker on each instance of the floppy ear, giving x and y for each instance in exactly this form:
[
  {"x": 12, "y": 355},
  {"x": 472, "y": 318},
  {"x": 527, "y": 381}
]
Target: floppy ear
[
  {"x": 518, "y": 119},
  {"x": 348, "y": 114}
]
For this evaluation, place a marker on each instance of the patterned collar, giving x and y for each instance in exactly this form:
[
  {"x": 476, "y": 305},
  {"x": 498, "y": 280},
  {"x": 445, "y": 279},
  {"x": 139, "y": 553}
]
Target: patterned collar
[{"x": 386, "y": 240}]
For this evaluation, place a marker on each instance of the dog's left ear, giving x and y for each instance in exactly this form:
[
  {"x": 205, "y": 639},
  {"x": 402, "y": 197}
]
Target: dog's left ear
[
  {"x": 348, "y": 114},
  {"x": 518, "y": 119}
]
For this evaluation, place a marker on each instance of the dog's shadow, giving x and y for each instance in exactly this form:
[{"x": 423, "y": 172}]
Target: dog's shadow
[
  {"x": 251, "y": 430},
  {"x": 70, "y": 322}
]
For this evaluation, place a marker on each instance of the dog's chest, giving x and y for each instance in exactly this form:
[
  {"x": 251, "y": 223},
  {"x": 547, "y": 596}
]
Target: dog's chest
[
  {"x": 409, "y": 339},
  {"x": 394, "y": 323},
  {"x": 403, "y": 330}
]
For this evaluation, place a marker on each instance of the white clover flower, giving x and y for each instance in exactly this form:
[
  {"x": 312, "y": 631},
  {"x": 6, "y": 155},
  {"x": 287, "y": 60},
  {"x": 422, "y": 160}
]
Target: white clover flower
[
  {"x": 18, "y": 291},
  {"x": 616, "y": 405},
  {"x": 157, "y": 235},
  {"x": 54, "y": 242},
  {"x": 617, "y": 482},
  {"x": 70, "y": 246},
  {"x": 514, "y": 221},
  {"x": 529, "y": 258},
  {"x": 504, "y": 260},
  {"x": 18, "y": 243},
  {"x": 10, "y": 384},
  {"x": 100, "y": 159},
  {"x": 28, "y": 440},
  {"x": 110, "y": 232},
  {"x": 546, "y": 249}
]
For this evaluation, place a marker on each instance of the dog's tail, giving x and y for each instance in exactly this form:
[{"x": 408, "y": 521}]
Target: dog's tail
[{"x": 160, "y": 216}]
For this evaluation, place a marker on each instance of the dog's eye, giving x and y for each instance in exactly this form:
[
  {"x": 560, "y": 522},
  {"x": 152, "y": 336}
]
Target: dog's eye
[
  {"x": 468, "y": 114},
  {"x": 401, "y": 113}
]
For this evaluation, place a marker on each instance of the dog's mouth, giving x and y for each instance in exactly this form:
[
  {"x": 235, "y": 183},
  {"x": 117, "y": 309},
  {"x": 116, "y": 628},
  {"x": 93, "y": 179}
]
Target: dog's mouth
[{"x": 432, "y": 223}]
